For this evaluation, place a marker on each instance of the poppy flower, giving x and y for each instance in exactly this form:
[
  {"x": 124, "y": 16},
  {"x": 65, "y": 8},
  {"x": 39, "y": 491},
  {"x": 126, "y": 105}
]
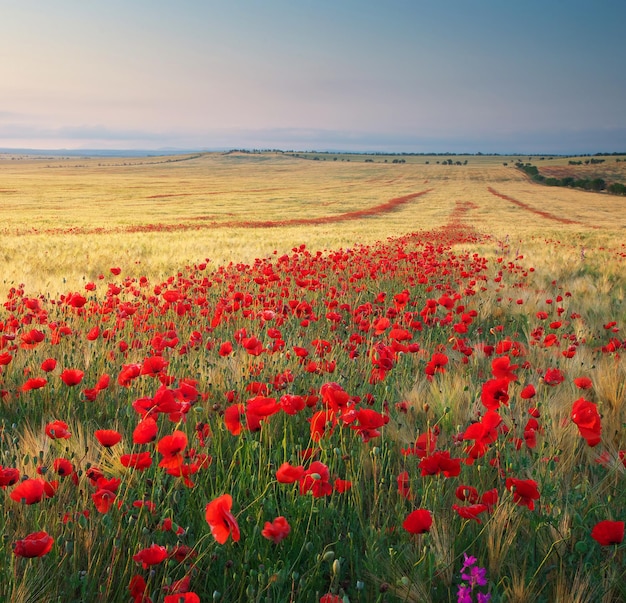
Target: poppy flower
[
  {"x": 467, "y": 494},
  {"x": 33, "y": 383},
  {"x": 606, "y": 533},
  {"x": 171, "y": 448},
  {"x": 146, "y": 431},
  {"x": 585, "y": 415},
  {"x": 36, "y": 544},
  {"x": 553, "y": 377},
  {"x": 316, "y": 480},
  {"x": 583, "y": 383},
  {"x": 103, "y": 500},
  {"x": 418, "y": 522},
  {"x": 232, "y": 418},
  {"x": 221, "y": 521},
  {"x": 8, "y": 476},
  {"x": 29, "y": 492},
  {"x": 528, "y": 392},
  {"x": 502, "y": 368},
  {"x": 525, "y": 491},
  {"x": 470, "y": 511},
  {"x": 137, "y": 460},
  {"x": 188, "y": 597},
  {"x": 48, "y": 365},
  {"x": 108, "y": 437},
  {"x": 152, "y": 555},
  {"x": 440, "y": 462},
  {"x": 276, "y": 530},
  {"x": 494, "y": 393},
  {"x": 63, "y": 466},
  {"x": 404, "y": 485},
  {"x": 72, "y": 377},
  {"x": 342, "y": 485},
  {"x": 153, "y": 365},
  {"x": 288, "y": 474},
  {"x": 226, "y": 348},
  {"x": 292, "y": 404},
  {"x": 330, "y": 598},
  {"x": 137, "y": 589},
  {"x": 58, "y": 430}
]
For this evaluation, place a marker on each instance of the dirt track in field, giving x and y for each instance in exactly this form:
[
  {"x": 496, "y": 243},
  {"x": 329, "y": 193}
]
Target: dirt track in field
[
  {"x": 210, "y": 223},
  {"x": 539, "y": 212}
]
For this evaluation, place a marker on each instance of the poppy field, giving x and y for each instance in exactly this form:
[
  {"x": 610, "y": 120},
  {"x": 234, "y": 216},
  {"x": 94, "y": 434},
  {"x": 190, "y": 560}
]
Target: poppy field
[{"x": 420, "y": 397}]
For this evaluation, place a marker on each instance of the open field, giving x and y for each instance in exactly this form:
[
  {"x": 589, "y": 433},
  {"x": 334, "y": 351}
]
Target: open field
[
  {"x": 259, "y": 377},
  {"x": 66, "y": 221}
]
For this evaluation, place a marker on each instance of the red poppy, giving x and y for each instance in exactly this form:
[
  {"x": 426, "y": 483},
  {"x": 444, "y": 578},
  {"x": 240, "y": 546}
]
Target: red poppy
[
  {"x": 322, "y": 423},
  {"x": 252, "y": 345},
  {"x": 483, "y": 434},
  {"x": 29, "y": 492},
  {"x": 490, "y": 498},
  {"x": 146, "y": 431},
  {"x": 232, "y": 418},
  {"x": 470, "y": 511},
  {"x": 48, "y": 365},
  {"x": 63, "y": 466},
  {"x": 137, "y": 589},
  {"x": 418, "y": 522},
  {"x": 153, "y": 555},
  {"x": 72, "y": 377},
  {"x": 467, "y": 494},
  {"x": 528, "y": 392},
  {"x": 292, "y": 404},
  {"x": 330, "y": 598},
  {"x": 153, "y": 366},
  {"x": 553, "y": 377},
  {"x": 33, "y": 383},
  {"x": 188, "y": 597},
  {"x": 137, "y": 460},
  {"x": 525, "y": 491},
  {"x": 316, "y": 479},
  {"x": 288, "y": 474},
  {"x": 108, "y": 437},
  {"x": 494, "y": 393},
  {"x": 276, "y": 530},
  {"x": 585, "y": 415},
  {"x": 502, "y": 368},
  {"x": 342, "y": 485},
  {"x": 404, "y": 485},
  {"x": 103, "y": 500},
  {"x": 36, "y": 544},
  {"x": 221, "y": 521},
  {"x": 8, "y": 476},
  {"x": 171, "y": 447},
  {"x": 226, "y": 348},
  {"x": 606, "y": 533},
  {"x": 440, "y": 462},
  {"x": 58, "y": 430},
  {"x": 583, "y": 383}
]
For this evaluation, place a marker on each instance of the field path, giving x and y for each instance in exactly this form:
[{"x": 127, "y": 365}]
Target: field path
[
  {"x": 539, "y": 212},
  {"x": 376, "y": 210}
]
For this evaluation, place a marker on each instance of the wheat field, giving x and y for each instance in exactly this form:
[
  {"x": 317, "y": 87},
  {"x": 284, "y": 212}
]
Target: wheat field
[{"x": 65, "y": 221}]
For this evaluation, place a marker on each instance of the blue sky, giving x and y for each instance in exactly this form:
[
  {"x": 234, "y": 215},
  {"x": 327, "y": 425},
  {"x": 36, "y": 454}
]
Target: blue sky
[{"x": 402, "y": 75}]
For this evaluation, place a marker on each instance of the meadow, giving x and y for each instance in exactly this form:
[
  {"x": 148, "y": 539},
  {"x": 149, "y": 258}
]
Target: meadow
[{"x": 262, "y": 377}]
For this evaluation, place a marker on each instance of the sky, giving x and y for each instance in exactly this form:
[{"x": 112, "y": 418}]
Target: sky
[{"x": 489, "y": 76}]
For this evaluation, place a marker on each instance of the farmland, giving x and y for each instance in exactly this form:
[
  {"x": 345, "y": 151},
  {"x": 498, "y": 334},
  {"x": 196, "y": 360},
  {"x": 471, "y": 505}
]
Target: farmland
[{"x": 267, "y": 377}]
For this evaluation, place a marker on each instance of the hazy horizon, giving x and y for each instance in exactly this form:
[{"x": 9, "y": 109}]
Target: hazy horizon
[{"x": 407, "y": 76}]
